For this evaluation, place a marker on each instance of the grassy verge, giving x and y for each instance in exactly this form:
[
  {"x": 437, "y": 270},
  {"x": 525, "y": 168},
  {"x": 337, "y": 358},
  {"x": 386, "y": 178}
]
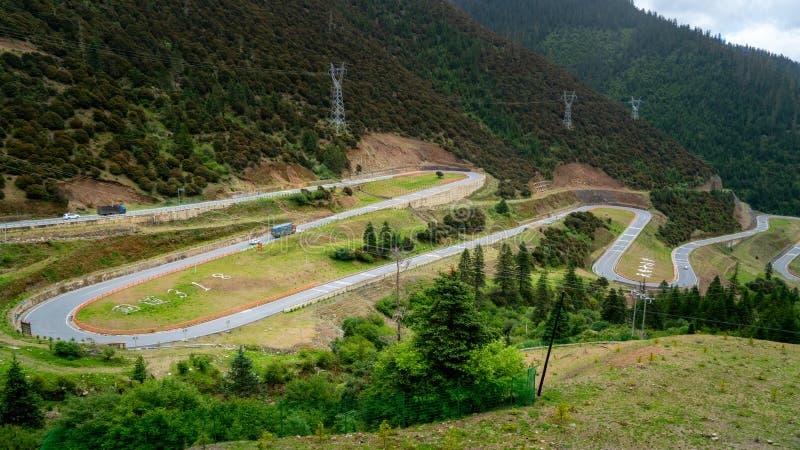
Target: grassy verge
[
  {"x": 647, "y": 245},
  {"x": 794, "y": 266},
  {"x": 752, "y": 254},
  {"x": 694, "y": 391}
]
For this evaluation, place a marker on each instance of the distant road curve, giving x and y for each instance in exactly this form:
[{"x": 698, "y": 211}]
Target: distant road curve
[
  {"x": 686, "y": 276},
  {"x": 223, "y": 202}
]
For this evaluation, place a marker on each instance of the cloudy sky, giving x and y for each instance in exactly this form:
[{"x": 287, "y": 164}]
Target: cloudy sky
[{"x": 773, "y": 25}]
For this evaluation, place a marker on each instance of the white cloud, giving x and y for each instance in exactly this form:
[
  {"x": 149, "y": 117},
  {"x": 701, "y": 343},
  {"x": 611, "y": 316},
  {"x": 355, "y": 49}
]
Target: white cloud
[
  {"x": 772, "y": 25},
  {"x": 767, "y": 36}
]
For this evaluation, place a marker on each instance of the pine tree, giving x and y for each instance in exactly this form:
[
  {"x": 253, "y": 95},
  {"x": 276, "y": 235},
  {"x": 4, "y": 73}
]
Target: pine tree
[
  {"x": 613, "y": 307},
  {"x": 385, "y": 238},
  {"x": 139, "y": 370},
  {"x": 370, "y": 240},
  {"x": 241, "y": 380},
  {"x": 524, "y": 268},
  {"x": 465, "y": 267},
  {"x": 502, "y": 207},
  {"x": 505, "y": 277},
  {"x": 563, "y": 322},
  {"x": 19, "y": 405},
  {"x": 573, "y": 286},
  {"x": 478, "y": 270},
  {"x": 541, "y": 298},
  {"x": 448, "y": 327}
]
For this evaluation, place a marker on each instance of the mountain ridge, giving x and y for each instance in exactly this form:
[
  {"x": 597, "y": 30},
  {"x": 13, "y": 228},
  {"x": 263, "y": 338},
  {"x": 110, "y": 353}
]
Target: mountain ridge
[{"x": 183, "y": 95}]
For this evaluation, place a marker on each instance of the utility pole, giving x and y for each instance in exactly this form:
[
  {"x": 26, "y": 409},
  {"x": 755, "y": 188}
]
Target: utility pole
[
  {"x": 337, "y": 102},
  {"x": 552, "y": 338},
  {"x": 635, "y": 104},
  {"x": 569, "y": 98},
  {"x": 633, "y": 321}
]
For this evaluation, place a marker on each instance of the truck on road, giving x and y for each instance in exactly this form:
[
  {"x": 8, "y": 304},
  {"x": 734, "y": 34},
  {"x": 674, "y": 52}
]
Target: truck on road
[
  {"x": 283, "y": 229},
  {"x": 111, "y": 209}
]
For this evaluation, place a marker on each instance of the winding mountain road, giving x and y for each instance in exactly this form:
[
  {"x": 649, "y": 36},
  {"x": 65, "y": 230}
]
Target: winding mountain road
[
  {"x": 53, "y": 318},
  {"x": 166, "y": 209}
]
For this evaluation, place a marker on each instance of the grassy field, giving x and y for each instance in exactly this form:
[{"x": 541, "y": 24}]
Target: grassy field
[
  {"x": 688, "y": 391},
  {"x": 249, "y": 276},
  {"x": 752, "y": 254},
  {"x": 794, "y": 266},
  {"x": 647, "y": 245},
  {"x": 406, "y": 184}
]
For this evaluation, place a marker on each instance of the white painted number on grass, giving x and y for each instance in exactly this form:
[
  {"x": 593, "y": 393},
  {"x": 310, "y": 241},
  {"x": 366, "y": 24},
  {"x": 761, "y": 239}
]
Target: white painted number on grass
[
  {"x": 221, "y": 276},
  {"x": 201, "y": 286}
]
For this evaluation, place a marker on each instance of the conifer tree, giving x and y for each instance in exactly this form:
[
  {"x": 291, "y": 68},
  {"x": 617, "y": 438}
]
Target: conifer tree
[
  {"x": 241, "y": 380},
  {"x": 573, "y": 286},
  {"x": 370, "y": 240},
  {"x": 505, "y": 278},
  {"x": 465, "y": 267},
  {"x": 613, "y": 307},
  {"x": 19, "y": 405},
  {"x": 502, "y": 207},
  {"x": 541, "y": 298},
  {"x": 524, "y": 268},
  {"x": 385, "y": 239},
  {"x": 478, "y": 270},
  {"x": 139, "y": 370}
]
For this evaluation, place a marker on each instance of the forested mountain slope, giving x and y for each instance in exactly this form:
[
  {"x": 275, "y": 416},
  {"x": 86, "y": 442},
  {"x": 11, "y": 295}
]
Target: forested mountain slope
[
  {"x": 736, "y": 107},
  {"x": 180, "y": 94}
]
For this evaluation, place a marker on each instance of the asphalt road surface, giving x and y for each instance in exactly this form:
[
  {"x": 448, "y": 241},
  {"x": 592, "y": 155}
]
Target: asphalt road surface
[{"x": 151, "y": 211}]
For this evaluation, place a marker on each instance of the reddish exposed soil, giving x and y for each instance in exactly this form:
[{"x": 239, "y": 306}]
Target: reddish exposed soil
[
  {"x": 383, "y": 151},
  {"x": 88, "y": 194},
  {"x": 576, "y": 175},
  {"x": 271, "y": 173}
]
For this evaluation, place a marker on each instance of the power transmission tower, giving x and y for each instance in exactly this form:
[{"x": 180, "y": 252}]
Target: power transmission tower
[
  {"x": 635, "y": 104},
  {"x": 337, "y": 102},
  {"x": 568, "y": 98}
]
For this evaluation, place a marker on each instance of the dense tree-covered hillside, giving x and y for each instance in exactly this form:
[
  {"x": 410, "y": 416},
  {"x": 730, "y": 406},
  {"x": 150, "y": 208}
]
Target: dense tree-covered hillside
[
  {"x": 737, "y": 107},
  {"x": 180, "y": 94}
]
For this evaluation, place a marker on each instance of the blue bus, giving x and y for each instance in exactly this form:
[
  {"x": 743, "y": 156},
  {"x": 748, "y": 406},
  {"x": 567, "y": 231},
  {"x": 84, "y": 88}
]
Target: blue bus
[{"x": 283, "y": 229}]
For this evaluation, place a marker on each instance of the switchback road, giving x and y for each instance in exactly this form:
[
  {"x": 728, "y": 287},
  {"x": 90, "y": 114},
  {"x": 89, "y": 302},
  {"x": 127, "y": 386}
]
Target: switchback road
[{"x": 53, "y": 318}]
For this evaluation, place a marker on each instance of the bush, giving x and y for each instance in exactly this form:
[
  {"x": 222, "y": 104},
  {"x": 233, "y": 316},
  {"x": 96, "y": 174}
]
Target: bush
[
  {"x": 343, "y": 254},
  {"x": 69, "y": 350},
  {"x": 347, "y": 191},
  {"x": 386, "y": 306}
]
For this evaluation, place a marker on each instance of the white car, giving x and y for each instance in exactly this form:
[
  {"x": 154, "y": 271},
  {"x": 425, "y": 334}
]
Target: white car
[
  {"x": 254, "y": 241},
  {"x": 685, "y": 267},
  {"x": 70, "y": 216}
]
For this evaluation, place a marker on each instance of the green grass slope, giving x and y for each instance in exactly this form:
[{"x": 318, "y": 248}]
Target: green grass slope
[{"x": 684, "y": 391}]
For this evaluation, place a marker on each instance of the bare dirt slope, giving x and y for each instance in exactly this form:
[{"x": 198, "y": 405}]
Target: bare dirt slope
[
  {"x": 16, "y": 45},
  {"x": 577, "y": 175},
  {"x": 382, "y": 151},
  {"x": 88, "y": 194},
  {"x": 273, "y": 173}
]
